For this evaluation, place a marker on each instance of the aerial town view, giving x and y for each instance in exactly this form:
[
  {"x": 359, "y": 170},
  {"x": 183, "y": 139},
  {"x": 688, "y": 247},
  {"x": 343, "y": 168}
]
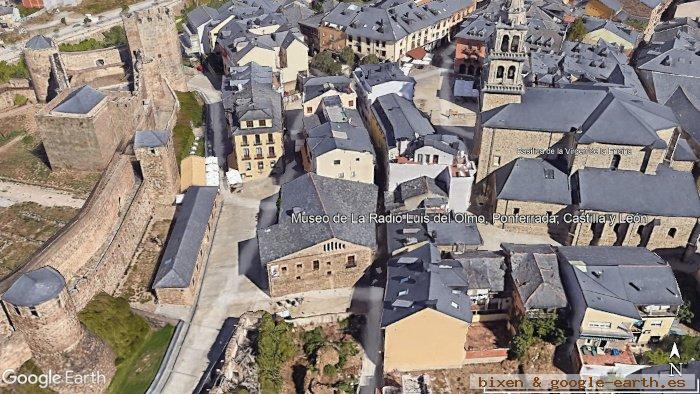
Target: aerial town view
[{"x": 349, "y": 196}]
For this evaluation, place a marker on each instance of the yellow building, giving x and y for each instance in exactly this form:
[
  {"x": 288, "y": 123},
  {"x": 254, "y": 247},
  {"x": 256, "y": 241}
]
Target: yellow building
[
  {"x": 192, "y": 172},
  {"x": 254, "y": 114},
  {"x": 427, "y": 312}
]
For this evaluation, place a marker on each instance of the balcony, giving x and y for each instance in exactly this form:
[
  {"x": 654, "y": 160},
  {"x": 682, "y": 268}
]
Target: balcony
[{"x": 258, "y": 157}]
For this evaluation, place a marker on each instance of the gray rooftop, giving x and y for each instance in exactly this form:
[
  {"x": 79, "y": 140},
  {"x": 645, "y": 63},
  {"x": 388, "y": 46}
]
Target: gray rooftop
[
  {"x": 668, "y": 193},
  {"x": 313, "y": 194},
  {"x": 338, "y": 128},
  {"x": 151, "y": 139},
  {"x": 535, "y": 273},
  {"x": 485, "y": 269},
  {"x": 418, "y": 279},
  {"x": 35, "y": 287},
  {"x": 39, "y": 42},
  {"x": 375, "y": 74},
  {"x": 316, "y": 86},
  {"x": 180, "y": 256},
  {"x": 199, "y": 16},
  {"x": 451, "y": 233},
  {"x": 399, "y": 119},
  {"x": 686, "y": 106},
  {"x": 80, "y": 101},
  {"x": 526, "y": 179},
  {"x": 620, "y": 279}
]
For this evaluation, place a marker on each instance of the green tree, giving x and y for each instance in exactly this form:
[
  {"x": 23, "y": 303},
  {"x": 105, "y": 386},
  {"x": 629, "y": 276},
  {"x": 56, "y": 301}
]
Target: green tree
[
  {"x": 317, "y": 6},
  {"x": 348, "y": 56},
  {"x": 532, "y": 330},
  {"x": 114, "y": 36},
  {"x": 685, "y": 313},
  {"x": 313, "y": 340},
  {"x": 275, "y": 345},
  {"x": 324, "y": 61},
  {"x": 371, "y": 59},
  {"x": 688, "y": 347},
  {"x": 576, "y": 31}
]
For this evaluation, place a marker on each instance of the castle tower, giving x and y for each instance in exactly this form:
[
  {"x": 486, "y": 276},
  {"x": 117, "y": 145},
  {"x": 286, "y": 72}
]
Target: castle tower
[
  {"x": 40, "y": 307},
  {"x": 37, "y": 54},
  {"x": 156, "y": 155},
  {"x": 152, "y": 32},
  {"x": 504, "y": 83}
]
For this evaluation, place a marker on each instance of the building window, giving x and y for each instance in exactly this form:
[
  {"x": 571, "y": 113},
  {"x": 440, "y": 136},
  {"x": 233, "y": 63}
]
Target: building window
[
  {"x": 248, "y": 166},
  {"x": 18, "y": 311},
  {"x": 309, "y": 110},
  {"x": 599, "y": 324},
  {"x": 655, "y": 323},
  {"x": 499, "y": 72},
  {"x": 249, "y": 123},
  {"x": 246, "y": 153},
  {"x": 351, "y": 103},
  {"x": 351, "y": 262},
  {"x": 516, "y": 211},
  {"x": 284, "y": 268},
  {"x": 511, "y": 73},
  {"x": 328, "y": 273},
  {"x": 271, "y": 151},
  {"x": 261, "y": 122},
  {"x": 272, "y": 163},
  {"x": 245, "y": 140},
  {"x": 298, "y": 277},
  {"x": 300, "y": 266},
  {"x": 261, "y": 165},
  {"x": 317, "y": 264},
  {"x": 420, "y": 158},
  {"x": 270, "y": 138},
  {"x": 435, "y": 159},
  {"x": 336, "y": 162},
  {"x": 497, "y": 160},
  {"x": 672, "y": 232},
  {"x": 341, "y": 175},
  {"x": 615, "y": 162},
  {"x": 258, "y": 152},
  {"x": 257, "y": 139}
]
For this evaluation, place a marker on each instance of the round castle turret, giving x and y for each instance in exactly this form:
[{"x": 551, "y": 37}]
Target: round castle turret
[
  {"x": 40, "y": 307},
  {"x": 37, "y": 54}
]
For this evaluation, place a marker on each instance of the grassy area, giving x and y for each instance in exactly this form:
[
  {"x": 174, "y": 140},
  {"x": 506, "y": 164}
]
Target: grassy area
[
  {"x": 27, "y": 162},
  {"x": 112, "y": 37},
  {"x": 136, "y": 374},
  {"x": 24, "y": 228},
  {"x": 6, "y": 137},
  {"x": 139, "y": 348},
  {"x": 26, "y": 11},
  {"x": 27, "y": 368},
  {"x": 100, "y": 6},
  {"x": 191, "y": 114},
  {"x": 13, "y": 70}
]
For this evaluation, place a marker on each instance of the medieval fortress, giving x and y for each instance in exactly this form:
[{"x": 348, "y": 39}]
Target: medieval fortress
[{"x": 110, "y": 110}]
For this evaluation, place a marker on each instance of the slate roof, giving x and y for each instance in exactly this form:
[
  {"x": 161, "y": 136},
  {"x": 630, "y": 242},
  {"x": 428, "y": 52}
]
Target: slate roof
[
  {"x": 400, "y": 235},
  {"x": 151, "y": 138},
  {"x": 628, "y": 34},
  {"x": 180, "y": 256},
  {"x": 375, "y": 74},
  {"x": 35, "y": 287},
  {"x": 199, "y": 16},
  {"x": 687, "y": 109},
  {"x": 248, "y": 95},
  {"x": 39, "y": 42},
  {"x": 390, "y": 20},
  {"x": 418, "y": 279},
  {"x": 535, "y": 273},
  {"x": 526, "y": 179},
  {"x": 448, "y": 143},
  {"x": 348, "y": 134},
  {"x": 317, "y": 195},
  {"x": 316, "y": 86},
  {"x": 422, "y": 186},
  {"x": 485, "y": 269},
  {"x": 399, "y": 119},
  {"x": 683, "y": 151},
  {"x": 668, "y": 193},
  {"x": 619, "y": 279},
  {"x": 80, "y": 101},
  {"x": 605, "y": 114}
]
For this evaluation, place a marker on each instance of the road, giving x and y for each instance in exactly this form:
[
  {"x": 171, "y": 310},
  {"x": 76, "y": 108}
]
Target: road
[
  {"x": 105, "y": 21},
  {"x": 371, "y": 374},
  {"x": 13, "y": 193}
]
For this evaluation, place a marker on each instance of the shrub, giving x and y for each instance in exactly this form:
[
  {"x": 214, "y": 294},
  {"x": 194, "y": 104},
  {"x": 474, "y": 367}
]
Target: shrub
[
  {"x": 532, "y": 330},
  {"x": 347, "y": 56},
  {"x": 330, "y": 370},
  {"x": 685, "y": 313},
  {"x": 313, "y": 340},
  {"x": 688, "y": 347},
  {"x": 20, "y": 100},
  {"x": 346, "y": 349},
  {"x": 17, "y": 70},
  {"x": 275, "y": 345},
  {"x": 576, "y": 31},
  {"x": 371, "y": 59}
]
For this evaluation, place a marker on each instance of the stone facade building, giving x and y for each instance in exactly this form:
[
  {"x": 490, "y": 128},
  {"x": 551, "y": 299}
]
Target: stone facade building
[
  {"x": 299, "y": 255},
  {"x": 181, "y": 267}
]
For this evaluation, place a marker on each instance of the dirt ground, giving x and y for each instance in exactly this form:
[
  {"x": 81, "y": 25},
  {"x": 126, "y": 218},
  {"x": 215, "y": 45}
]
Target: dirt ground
[
  {"x": 539, "y": 361},
  {"x": 24, "y": 228},
  {"x": 135, "y": 287},
  {"x": 26, "y": 162}
]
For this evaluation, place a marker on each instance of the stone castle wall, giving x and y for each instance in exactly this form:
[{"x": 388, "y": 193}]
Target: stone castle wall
[
  {"x": 19, "y": 118},
  {"x": 14, "y": 87},
  {"x": 14, "y": 352},
  {"x": 105, "y": 273}
]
